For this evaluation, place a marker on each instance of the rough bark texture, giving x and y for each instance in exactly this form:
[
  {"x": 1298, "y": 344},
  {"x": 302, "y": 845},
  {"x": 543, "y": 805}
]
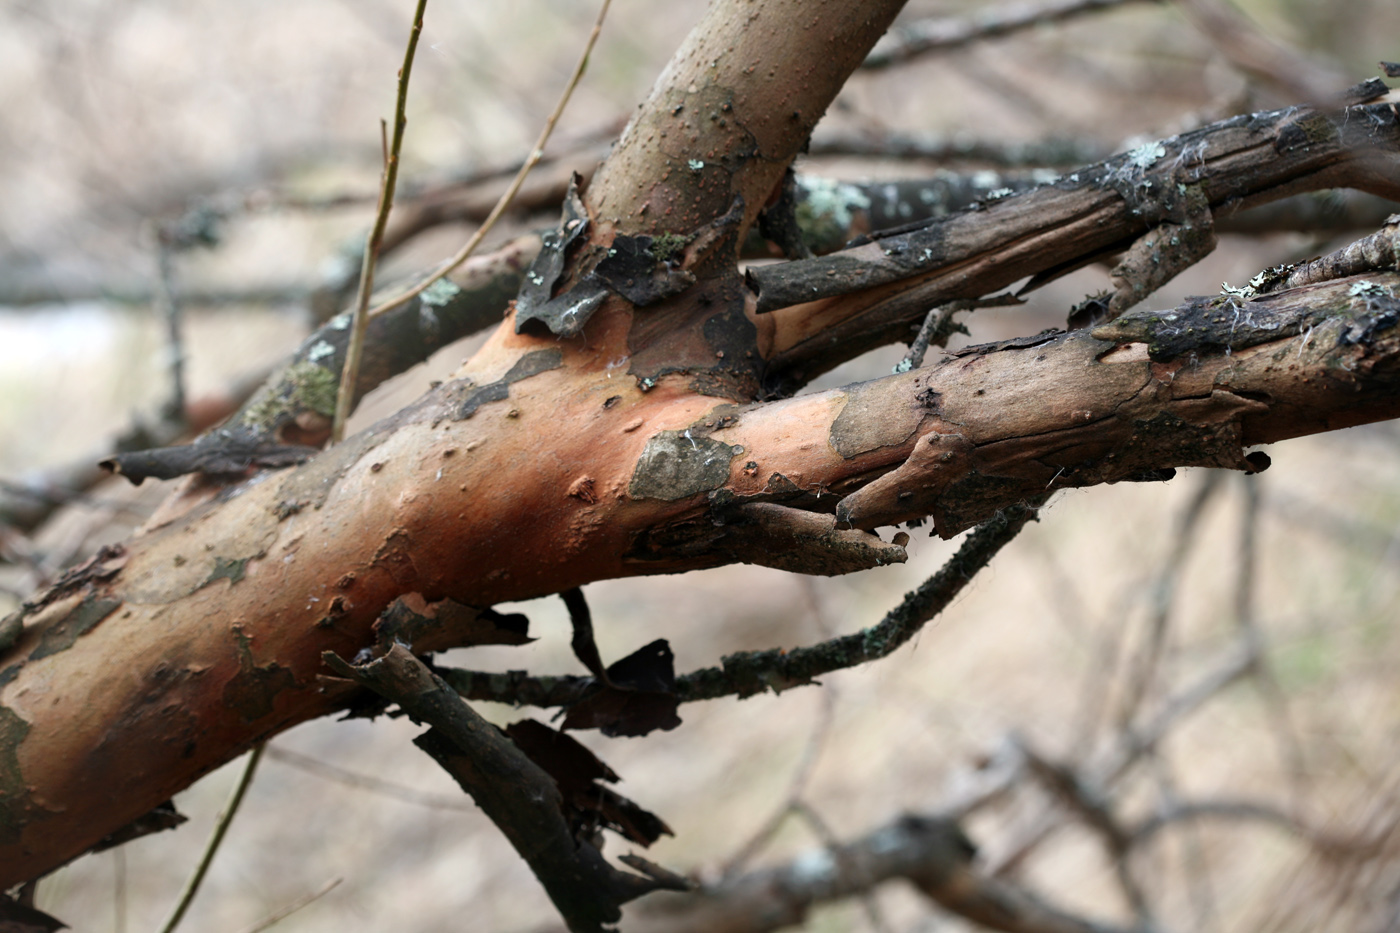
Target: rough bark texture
[{"x": 634, "y": 444}]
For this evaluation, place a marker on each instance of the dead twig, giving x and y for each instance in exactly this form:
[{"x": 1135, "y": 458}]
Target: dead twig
[
  {"x": 216, "y": 838},
  {"x": 920, "y": 37},
  {"x": 535, "y": 155},
  {"x": 345, "y": 394}
]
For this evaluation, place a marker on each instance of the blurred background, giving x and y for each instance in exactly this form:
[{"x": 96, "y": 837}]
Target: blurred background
[{"x": 1250, "y": 621}]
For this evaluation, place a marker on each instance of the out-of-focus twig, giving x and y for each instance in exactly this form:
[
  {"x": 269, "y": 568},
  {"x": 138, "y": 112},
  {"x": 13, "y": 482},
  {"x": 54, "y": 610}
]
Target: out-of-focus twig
[
  {"x": 930, "y": 851},
  {"x": 1162, "y": 596},
  {"x": 366, "y": 782},
  {"x": 283, "y": 913},
  {"x": 216, "y": 838},
  {"x": 910, "y": 40},
  {"x": 1245, "y": 46}
]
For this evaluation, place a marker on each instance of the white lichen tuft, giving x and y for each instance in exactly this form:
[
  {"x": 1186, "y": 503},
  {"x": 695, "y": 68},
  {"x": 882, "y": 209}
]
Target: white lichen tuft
[
  {"x": 1146, "y": 155},
  {"x": 319, "y": 351},
  {"x": 827, "y": 198},
  {"x": 1368, "y": 289}
]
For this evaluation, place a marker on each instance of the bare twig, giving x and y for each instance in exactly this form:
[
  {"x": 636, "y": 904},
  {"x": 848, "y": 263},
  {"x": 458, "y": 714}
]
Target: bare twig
[
  {"x": 535, "y": 155},
  {"x": 792, "y": 801},
  {"x": 278, "y": 916},
  {"x": 752, "y": 672},
  {"x": 367, "y": 782},
  {"x": 922, "y": 36},
  {"x": 939, "y": 325},
  {"x": 930, "y": 851},
  {"x": 168, "y": 306},
  {"x": 348, "y": 375},
  {"x": 1162, "y": 594},
  {"x": 216, "y": 838},
  {"x": 1271, "y": 693}
]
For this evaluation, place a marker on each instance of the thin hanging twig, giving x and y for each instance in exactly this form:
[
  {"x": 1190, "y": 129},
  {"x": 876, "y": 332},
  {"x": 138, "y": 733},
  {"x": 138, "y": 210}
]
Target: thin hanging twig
[
  {"x": 350, "y": 372},
  {"x": 216, "y": 838},
  {"x": 535, "y": 155}
]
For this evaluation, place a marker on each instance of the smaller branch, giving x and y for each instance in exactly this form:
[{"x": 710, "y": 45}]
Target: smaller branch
[
  {"x": 911, "y": 40},
  {"x": 752, "y": 672},
  {"x": 585, "y": 648},
  {"x": 216, "y": 838},
  {"x": 939, "y": 325},
  {"x": 530, "y": 162},
  {"x": 1162, "y": 595},
  {"x": 1271, "y": 692},
  {"x": 792, "y": 802},
  {"x": 931, "y": 852},
  {"x": 1094, "y": 807},
  {"x": 1379, "y": 251},
  {"x": 511, "y": 789},
  {"x": 1243, "y": 811},
  {"x": 1064, "y": 152},
  {"x": 345, "y": 395}
]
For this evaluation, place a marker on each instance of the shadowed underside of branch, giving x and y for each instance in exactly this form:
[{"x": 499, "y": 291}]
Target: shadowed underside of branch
[{"x": 613, "y": 426}]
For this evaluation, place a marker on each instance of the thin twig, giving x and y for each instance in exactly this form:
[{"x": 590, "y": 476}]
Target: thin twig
[
  {"x": 917, "y": 38},
  {"x": 278, "y": 916},
  {"x": 792, "y": 802},
  {"x": 350, "y": 372},
  {"x": 119, "y": 890},
  {"x": 367, "y": 782},
  {"x": 168, "y": 306},
  {"x": 216, "y": 838},
  {"x": 1163, "y": 595},
  {"x": 535, "y": 155},
  {"x": 1271, "y": 693},
  {"x": 747, "y": 673}
]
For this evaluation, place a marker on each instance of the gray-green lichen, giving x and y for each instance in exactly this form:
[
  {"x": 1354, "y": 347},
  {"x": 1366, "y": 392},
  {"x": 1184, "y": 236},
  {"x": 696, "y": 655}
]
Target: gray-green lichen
[
  {"x": 439, "y": 293},
  {"x": 304, "y": 386},
  {"x": 679, "y": 464},
  {"x": 826, "y": 207}
]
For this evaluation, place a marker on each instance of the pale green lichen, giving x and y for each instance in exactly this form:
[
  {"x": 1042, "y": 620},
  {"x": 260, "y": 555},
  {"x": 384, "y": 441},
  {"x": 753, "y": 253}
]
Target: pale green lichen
[
  {"x": 826, "y": 208},
  {"x": 439, "y": 294},
  {"x": 1368, "y": 289},
  {"x": 303, "y": 387}
]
